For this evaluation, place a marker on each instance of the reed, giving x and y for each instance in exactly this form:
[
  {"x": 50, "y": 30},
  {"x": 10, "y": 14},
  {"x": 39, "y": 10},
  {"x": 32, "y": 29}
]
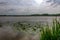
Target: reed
[{"x": 51, "y": 33}]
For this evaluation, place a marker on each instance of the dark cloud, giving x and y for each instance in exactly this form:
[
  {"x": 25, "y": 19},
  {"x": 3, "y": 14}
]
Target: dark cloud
[
  {"x": 54, "y": 2},
  {"x": 3, "y": 3},
  {"x": 18, "y": 2}
]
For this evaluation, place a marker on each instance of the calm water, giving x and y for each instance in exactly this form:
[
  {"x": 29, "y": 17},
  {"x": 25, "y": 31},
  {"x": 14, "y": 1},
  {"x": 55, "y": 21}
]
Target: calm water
[{"x": 29, "y": 18}]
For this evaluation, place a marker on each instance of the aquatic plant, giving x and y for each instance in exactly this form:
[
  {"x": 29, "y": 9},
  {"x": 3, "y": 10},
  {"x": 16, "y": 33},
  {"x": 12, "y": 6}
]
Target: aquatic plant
[{"x": 51, "y": 33}]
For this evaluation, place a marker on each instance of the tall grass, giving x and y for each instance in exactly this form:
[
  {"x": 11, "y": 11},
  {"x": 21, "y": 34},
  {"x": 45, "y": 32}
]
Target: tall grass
[{"x": 51, "y": 33}]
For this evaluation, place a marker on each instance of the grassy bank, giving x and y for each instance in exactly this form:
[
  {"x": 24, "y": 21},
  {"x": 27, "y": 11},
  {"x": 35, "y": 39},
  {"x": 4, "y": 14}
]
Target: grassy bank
[{"x": 51, "y": 33}]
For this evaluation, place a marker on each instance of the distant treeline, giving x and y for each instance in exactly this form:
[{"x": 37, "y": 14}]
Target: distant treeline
[
  {"x": 45, "y": 15},
  {"x": 35, "y": 15}
]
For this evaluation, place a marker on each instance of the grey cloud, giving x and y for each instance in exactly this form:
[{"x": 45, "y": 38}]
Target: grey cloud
[
  {"x": 18, "y": 10},
  {"x": 18, "y": 7},
  {"x": 54, "y": 2},
  {"x": 23, "y": 7},
  {"x": 3, "y": 3},
  {"x": 18, "y": 2}
]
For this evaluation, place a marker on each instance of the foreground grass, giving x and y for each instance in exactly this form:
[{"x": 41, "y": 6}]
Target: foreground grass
[{"x": 51, "y": 33}]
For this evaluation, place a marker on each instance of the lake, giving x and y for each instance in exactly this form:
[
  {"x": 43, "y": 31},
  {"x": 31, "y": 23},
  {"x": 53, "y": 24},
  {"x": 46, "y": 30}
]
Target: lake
[{"x": 42, "y": 19}]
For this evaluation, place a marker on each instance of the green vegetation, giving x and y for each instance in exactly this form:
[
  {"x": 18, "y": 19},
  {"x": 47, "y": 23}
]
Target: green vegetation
[
  {"x": 44, "y": 14},
  {"x": 27, "y": 27},
  {"x": 51, "y": 33}
]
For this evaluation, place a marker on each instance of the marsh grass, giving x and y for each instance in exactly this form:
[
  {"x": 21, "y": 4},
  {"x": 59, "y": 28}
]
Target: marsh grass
[
  {"x": 27, "y": 27},
  {"x": 51, "y": 33}
]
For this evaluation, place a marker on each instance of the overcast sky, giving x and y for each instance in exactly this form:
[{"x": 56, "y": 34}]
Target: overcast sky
[{"x": 23, "y": 7}]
